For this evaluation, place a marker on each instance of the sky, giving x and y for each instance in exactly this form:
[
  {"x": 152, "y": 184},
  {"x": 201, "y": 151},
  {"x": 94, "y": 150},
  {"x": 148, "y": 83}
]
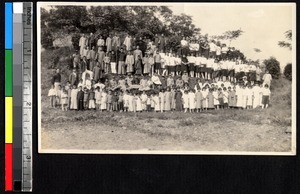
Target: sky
[{"x": 263, "y": 26}]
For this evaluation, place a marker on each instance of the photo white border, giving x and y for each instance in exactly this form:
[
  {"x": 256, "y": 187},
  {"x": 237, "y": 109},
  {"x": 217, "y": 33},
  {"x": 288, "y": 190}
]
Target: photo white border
[{"x": 166, "y": 152}]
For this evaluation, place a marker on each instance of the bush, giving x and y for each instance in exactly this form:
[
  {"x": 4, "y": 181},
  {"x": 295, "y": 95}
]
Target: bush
[
  {"x": 273, "y": 66},
  {"x": 47, "y": 40},
  {"x": 288, "y": 71}
]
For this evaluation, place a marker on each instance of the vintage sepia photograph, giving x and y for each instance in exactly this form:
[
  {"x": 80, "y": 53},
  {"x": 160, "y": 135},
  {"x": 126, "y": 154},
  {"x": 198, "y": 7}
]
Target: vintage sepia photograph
[{"x": 167, "y": 78}]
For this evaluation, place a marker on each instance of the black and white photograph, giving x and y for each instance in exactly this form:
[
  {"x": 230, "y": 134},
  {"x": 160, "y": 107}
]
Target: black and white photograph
[{"x": 167, "y": 78}]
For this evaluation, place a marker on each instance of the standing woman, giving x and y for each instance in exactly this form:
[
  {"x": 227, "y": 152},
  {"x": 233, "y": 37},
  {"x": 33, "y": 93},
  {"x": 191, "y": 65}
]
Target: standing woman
[
  {"x": 162, "y": 99},
  {"x": 129, "y": 62},
  {"x": 178, "y": 99},
  {"x": 199, "y": 98},
  {"x": 113, "y": 62},
  {"x": 138, "y": 66},
  {"x": 192, "y": 100},
  {"x": 167, "y": 105},
  {"x": 185, "y": 99},
  {"x": 146, "y": 64}
]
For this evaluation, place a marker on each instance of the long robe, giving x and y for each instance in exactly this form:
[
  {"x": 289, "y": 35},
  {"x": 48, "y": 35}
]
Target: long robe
[
  {"x": 167, "y": 104},
  {"x": 129, "y": 62},
  {"x": 231, "y": 98},
  {"x": 115, "y": 42},
  {"x": 199, "y": 98},
  {"x": 178, "y": 100},
  {"x": 73, "y": 105},
  {"x": 108, "y": 44},
  {"x": 127, "y": 43},
  {"x": 147, "y": 65},
  {"x": 192, "y": 100},
  {"x": 185, "y": 99},
  {"x": 97, "y": 73},
  {"x": 82, "y": 44},
  {"x": 162, "y": 100},
  {"x": 173, "y": 102},
  {"x": 73, "y": 79},
  {"x": 256, "y": 94},
  {"x": 210, "y": 100}
]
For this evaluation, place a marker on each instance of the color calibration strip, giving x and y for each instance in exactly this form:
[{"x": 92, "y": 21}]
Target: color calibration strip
[
  {"x": 18, "y": 96},
  {"x": 8, "y": 97}
]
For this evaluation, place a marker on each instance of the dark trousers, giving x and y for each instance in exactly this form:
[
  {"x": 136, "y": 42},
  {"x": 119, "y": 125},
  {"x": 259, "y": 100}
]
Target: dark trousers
[
  {"x": 80, "y": 104},
  {"x": 121, "y": 106}
]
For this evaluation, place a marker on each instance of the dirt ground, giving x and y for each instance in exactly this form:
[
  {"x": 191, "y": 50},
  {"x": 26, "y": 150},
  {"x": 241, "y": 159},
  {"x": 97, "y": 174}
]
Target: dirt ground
[{"x": 223, "y": 130}]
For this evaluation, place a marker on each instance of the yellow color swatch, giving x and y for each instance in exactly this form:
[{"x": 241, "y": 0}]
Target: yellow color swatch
[{"x": 8, "y": 119}]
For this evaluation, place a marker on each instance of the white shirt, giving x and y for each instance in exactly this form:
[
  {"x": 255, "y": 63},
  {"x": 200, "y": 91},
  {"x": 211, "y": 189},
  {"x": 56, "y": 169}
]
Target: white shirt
[
  {"x": 198, "y": 61},
  {"x": 203, "y": 60},
  {"x": 172, "y": 61},
  {"x": 210, "y": 63},
  {"x": 191, "y": 59},
  {"x": 212, "y": 47}
]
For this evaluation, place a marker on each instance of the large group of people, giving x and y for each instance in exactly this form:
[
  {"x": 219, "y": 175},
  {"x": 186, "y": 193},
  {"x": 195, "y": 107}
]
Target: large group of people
[{"x": 140, "y": 74}]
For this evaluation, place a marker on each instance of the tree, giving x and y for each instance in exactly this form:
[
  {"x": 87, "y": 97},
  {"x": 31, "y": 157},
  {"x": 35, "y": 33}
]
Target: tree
[
  {"x": 288, "y": 71},
  {"x": 287, "y": 44},
  {"x": 273, "y": 66},
  {"x": 229, "y": 35},
  {"x": 46, "y": 36}
]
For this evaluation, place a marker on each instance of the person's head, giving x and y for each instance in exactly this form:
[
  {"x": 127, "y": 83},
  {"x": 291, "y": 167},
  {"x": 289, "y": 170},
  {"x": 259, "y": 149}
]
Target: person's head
[
  {"x": 109, "y": 91},
  {"x": 266, "y": 86},
  {"x": 137, "y": 47}
]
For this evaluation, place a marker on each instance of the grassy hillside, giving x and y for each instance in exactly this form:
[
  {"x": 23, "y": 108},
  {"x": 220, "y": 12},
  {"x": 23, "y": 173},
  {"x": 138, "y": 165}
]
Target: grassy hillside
[{"x": 229, "y": 130}]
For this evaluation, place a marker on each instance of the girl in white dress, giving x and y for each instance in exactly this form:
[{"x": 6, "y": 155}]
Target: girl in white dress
[
  {"x": 249, "y": 97},
  {"x": 98, "y": 97},
  {"x": 185, "y": 100},
  {"x": 204, "y": 101},
  {"x": 64, "y": 100},
  {"x": 139, "y": 107},
  {"x": 126, "y": 101},
  {"x": 130, "y": 102},
  {"x": 192, "y": 100},
  {"x": 216, "y": 98},
  {"x": 156, "y": 103},
  {"x": 103, "y": 100},
  {"x": 256, "y": 96},
  {"x": 74, "y": 98}
]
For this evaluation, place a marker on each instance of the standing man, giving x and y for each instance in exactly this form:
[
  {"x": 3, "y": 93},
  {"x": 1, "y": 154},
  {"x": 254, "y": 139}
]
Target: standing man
[
  {"x": 162, "y": 43},
  {"x": 80, "y": 97},
  {"x": 92, "y": 58},
  {"x": 73, "y": 78},
  {"x": 100, "y": 58},
  {"x": 100, "y": 42},
  {"x": 137, "y": 52},
  {"x": 267, "y": 78},
  {"x": 116, "y": 42},
  {"x": 108, "y": 43},
  {"x": 121, "y": 63},
  {"x": 127, "y": 42},
  {"x": 82, "y": 44}
]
